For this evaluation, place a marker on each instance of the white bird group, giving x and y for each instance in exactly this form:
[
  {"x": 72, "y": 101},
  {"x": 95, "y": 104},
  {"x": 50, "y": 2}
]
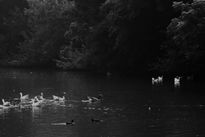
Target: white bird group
[
  {"x": 157, "y": 80},
  {"x": 5, "y": 104},
  {"x": 177, "y": 81},
  {"x": 93, "y": 99},
  {"x": 37, "y": 101}
]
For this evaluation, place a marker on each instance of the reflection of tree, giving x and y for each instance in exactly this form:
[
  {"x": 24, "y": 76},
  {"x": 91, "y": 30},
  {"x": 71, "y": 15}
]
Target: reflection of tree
[{"x": 184, "y": 47}]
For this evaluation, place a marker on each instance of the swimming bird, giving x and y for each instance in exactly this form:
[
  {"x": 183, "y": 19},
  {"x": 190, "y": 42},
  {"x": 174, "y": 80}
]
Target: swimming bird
[
  {"x": 41, "y": 96},
  {"x": 6, "y": 103},
  {"x": 61, "y": 98},
  {"x": 155, "y": 81},
  {"x": 96, "y": 120},
  {"x": 71, "y": 123},
  {"x": 89, "y": 100},
  {"x": 93, "y": 99},
  {"x": 177, "y": 81},
  {"x": 160, "y": 79},
  {"x": 35, "y": 102},
  {"x": 57, "y": 98},
  {"x": 4, "y": 107},
  {"x": 23, "y": 97}
]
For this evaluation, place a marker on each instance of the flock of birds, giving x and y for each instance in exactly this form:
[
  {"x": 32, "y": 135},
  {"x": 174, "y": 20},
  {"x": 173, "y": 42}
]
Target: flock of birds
[
  {"x": 25, "y": 101},
  {"x": 159, "y": 80},
  {"x": 37, "y": 101}
]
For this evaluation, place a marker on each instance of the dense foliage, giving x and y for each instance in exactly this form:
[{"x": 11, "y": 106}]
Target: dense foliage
[
  {"x": 131, "y": 32},
  {"x": 185, "y": 51},
  {"x": 12, "y": 27},
  {"x": 103, "y": 35}
]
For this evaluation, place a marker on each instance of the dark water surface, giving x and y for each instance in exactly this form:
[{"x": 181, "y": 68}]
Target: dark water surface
[{"x": 131, "y": 107}]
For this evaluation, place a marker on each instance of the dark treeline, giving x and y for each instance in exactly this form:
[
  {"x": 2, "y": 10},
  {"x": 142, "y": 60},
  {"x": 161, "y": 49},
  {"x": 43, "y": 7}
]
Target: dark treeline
[{"x": 158, "y": 36}]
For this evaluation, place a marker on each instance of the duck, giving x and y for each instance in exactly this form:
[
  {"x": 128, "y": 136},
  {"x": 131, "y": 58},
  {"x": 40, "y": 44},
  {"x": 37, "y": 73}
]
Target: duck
[
  {"x": 93, "y": 99},
  {"x": 23, "y": 97},
  {"x": 177, "y": 81},
  {"x": 40, "y": 97},
  {"x": 96, "y": 99},
  {"x": 89, "y": 100},
  {"x": 96, "y": 120},
  {"x": 71, "y": 123},
  {"x": 57, "y": 98},
  {"x": 35, "y": 102},
  {"x": 160, "y": 79},
  {"x": 6, "y": 103},
  {"x": 155, "y": 81},
  {"x": 4, "y": 107},
  {"x": 61, "y": 99}
]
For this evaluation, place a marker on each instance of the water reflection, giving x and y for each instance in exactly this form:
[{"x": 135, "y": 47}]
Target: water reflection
[{"x": 36, "y": 112}]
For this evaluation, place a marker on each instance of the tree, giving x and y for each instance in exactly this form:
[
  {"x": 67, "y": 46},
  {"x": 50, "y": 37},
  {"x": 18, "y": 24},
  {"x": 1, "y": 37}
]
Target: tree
[
  {"x": 184, "y": 48},
  {"x": 74, "y": 54},
  {"x": 48, "y": 21},
  {"x": 12, "y": 27},
  {"x": 130, "y": 34}
]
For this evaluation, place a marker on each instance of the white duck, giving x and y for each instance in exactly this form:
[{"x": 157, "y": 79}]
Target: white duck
[
  {"x": 57, "y": 98},
  {"x": 177, "y": 81},
  {"x": 96, "y": 99},
  {"x": 23, "y": 97},
  {"x": 35, "y": 102},
  {"x": 160, "y": 79},
  {"x": 3, "y": 107},
  {"x": 92, "y": 99},
  {"x": 62, "y": 98},
  {"x": 89, "y": 100},
  {"x": 155, "y": 81},
  {"x": 41, "y": 96},
  {"x": 6, "y": 103}
]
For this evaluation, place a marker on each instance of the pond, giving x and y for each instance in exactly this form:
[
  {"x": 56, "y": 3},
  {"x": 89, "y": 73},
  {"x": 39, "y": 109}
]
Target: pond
[{"x": 131, "y": 107}]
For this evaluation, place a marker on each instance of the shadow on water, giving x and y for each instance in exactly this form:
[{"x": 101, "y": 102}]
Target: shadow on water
[{"x": 130, "y": 107}]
